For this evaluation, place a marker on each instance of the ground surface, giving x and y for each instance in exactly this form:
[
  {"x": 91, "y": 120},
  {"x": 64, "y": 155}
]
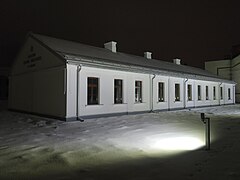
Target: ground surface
[{"x": 165, "y": 145}]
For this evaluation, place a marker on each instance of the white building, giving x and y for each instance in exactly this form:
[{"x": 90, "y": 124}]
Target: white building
[
  {"x": 67, "y": 80},
  {"x": 228, "y": 69}
]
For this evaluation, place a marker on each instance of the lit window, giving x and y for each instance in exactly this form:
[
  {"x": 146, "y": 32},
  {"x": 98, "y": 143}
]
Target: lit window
[
  {"x": 138, "y": 91},
  {"x": 229, "y": 93},
  {"x": 199, "y": 92},
  {"x": 214, "y": 92},
  {"x": 189, "y": 92},
  {"x": 207, "y": 97},
  {"x": 177, "y": 92},
  {"x": 221, "y": 92},
  {"x": 118, "y": 92},
  {"x": 93, "y": 91},
  {"x": 160, "y": 92}
]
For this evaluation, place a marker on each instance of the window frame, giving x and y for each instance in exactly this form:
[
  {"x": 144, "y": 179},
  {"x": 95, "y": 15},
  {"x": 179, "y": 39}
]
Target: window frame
[
  {"x": 90, "y": 87},
  {"x": 138, "y": 91},
  {"x": 214, "y": 93},
  {"x": 229, "y": 94},
  {"x": 118, "y": 87},
  {"x": 177, "y": 92},
  {"x": 207, "y": 93},
  {"x": 161, "y": 91},
  {"x": 199, "y": 93},
  {"x": 189, "y": 92}
]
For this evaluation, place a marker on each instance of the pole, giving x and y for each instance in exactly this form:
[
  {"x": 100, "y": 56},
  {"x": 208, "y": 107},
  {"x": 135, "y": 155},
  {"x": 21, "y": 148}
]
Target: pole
[{"x": 207, "y": 133}]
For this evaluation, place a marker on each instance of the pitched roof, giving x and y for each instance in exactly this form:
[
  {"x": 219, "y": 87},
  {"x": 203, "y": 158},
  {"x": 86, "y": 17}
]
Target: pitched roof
[{"x": 66, "y": 47}]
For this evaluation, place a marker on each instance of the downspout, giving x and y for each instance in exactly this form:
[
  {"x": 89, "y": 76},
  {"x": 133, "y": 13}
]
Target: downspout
[
  {"x": 219, "y": 92},
  {"x": 79, "y": 68},
  {"x": 151, "y": 97},
  {"x": 184, "y": 93}
]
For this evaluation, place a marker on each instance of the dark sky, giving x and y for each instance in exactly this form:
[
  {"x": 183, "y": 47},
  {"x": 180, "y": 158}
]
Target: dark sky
[{"x": 192, "y": 30}]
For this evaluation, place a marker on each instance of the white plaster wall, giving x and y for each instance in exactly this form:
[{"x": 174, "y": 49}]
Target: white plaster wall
[
  {"x": 71, "y": 91},
  {"x": 226, "y": 100},
  {"x": 106, "y": 91}
]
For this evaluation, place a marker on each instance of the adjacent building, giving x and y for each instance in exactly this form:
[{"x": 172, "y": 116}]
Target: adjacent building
[
  {"x": 70, "y": 80},
  {"x": 228, "y": 69}
]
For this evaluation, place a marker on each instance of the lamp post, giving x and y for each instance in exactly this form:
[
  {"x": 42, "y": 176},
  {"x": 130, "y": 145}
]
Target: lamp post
[{"x": 206, "y": 121}]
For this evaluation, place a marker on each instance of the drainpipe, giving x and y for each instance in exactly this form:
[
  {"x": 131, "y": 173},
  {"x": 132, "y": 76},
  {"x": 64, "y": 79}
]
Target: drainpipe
[
  {"x": 184, "y": 93},
  {"x": 79, "y": 68},
  {"x": 219, "y": 92},
  {"x": 151, "y": 97}
]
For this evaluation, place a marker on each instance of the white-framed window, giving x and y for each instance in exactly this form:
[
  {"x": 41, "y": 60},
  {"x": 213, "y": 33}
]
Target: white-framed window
[
  {"x": 214, "y": 93},
  {"x": 199, "y": 92},
  {"x": 138, "y": 91},
  {"x": 221, "y": 93},
  {"x": 177, "y": 92},
  {"x": 160, "y": 91},
  {"x": 189, "y": 92},
  {"x": 92, "y": 90},
  {"x": 207, "y": 93},
  {"x": 118, "y": 91},
  {"x": 229, "y": 93}
]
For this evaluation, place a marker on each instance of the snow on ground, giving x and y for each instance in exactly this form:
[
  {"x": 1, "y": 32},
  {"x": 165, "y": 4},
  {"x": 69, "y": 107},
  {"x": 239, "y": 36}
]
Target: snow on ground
[{"x": 163, "y": 145}]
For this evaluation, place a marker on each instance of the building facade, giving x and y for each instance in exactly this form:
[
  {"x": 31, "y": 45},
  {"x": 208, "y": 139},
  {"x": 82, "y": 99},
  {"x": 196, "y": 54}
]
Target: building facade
[
  {"x": 228, "y": 69},
  {"x": 72, "y": 81}
]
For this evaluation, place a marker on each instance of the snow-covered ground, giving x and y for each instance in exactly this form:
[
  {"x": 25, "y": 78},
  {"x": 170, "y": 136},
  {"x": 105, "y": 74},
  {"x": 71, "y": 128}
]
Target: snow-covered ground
[{"x": 163, "y": 145}]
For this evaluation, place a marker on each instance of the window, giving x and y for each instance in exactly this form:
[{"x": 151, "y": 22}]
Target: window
[
  {"x": 160, "y": 92},
  {"x": 138, "y": 91},
  {"x": 189, "y": 92},
  {"x": 93, "y": 91},
  {"x": 221, "y": 92},
  {"x": 207, "y": 96},
  {"x": 214, "y": 92},
  {"x": 177, "y": 92},
  {"x": 199, "y": 92},
  {"x": 118, "y": 91},
  {"x": 229, "y": 93}
]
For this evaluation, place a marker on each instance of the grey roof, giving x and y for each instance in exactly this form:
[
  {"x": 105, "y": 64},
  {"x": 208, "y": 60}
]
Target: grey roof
[{"x": 66, "y": 47}]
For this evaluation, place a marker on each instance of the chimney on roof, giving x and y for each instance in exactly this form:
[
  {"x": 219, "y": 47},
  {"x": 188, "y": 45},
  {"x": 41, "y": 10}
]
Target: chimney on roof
[
  {"x": 177, "y": 61},
  {"x": 148, "y": 55},
  {"x": 112, "y": 46}
]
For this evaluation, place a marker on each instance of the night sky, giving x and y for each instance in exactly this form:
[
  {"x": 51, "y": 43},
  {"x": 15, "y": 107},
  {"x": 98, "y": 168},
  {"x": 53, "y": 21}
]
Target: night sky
[{"x": 194, "y": 31}]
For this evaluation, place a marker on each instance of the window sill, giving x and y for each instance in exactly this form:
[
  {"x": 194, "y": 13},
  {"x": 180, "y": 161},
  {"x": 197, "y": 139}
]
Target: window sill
[
  {"x": 139, "y": 102},
  {"x": 94, "y": 105},
  {"x": 119, "y": 103}
]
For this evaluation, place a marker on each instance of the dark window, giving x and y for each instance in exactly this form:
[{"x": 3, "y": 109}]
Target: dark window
[
  {"x": 229, "y": 93},
  {"x": 138, "y": 91},
  {"x": 221, "y": 92},
  {"x": 189, "y": 92},
  {"x": 214, "y": 92},
  {"x": 207, "y": 96},
  {"x": 160, "y": 92},
  {"x": 199, "y": 92},
  {"x": 177, "y": 92},
  {"x": 93, "y": 91},
  {"x": 118, "y": 91}
]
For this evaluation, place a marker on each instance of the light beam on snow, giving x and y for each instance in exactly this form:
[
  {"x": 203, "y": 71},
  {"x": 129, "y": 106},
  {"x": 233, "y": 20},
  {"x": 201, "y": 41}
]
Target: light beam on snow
[{"x": 177, "y": 143}]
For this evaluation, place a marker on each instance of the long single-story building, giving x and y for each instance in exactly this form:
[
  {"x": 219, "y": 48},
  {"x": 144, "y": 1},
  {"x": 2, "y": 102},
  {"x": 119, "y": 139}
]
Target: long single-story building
[{"x": 70, "y": 80}]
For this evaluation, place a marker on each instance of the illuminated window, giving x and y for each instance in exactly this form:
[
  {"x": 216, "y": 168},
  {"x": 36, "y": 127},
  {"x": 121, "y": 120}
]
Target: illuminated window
[
  {"x": 207, "y": 96},
  {"x": 138, "y": 91},
  {"x": 93, "y": 91},
  {"x": 177, "y": 92},
  {"x": 214, "y": 92},
  {"x": 118, "y": 92},
  {"x": 189, "y": 92},
  {"x": 160, "y": 92},
  {"x": 229, "y": 93},
  {"x": 199, "y": 92},
  {"x": 221, "y": 92}
]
